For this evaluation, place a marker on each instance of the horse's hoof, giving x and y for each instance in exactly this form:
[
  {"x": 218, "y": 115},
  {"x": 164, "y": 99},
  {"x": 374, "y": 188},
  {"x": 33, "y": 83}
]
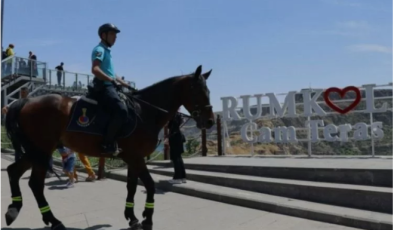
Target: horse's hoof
[
  {"x": 147, "y": 227},
  {"x": 59, "y": 226},
  {"x": 11, "y": 215},
  {"x": 135, "y": 225}
]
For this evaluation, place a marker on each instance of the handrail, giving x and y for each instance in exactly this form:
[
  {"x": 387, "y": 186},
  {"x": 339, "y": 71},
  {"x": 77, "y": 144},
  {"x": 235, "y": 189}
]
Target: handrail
[
  {"x": 51, "y": 77},
  {"x": 64, "y": 71},
  {"x": 70, "y": 72},
  {"x": 8, "y": 58}
]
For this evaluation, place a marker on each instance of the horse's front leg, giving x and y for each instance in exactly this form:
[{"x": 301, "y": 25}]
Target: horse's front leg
[
  {"x": 36, "y": 184},
  {"x": 15, "y": 172},
  {"x": 149, "y": 184},
  {"x": 132, "y": 182}
]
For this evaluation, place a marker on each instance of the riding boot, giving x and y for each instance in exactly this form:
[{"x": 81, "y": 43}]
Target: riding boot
[{"x": 110, "y": 145}]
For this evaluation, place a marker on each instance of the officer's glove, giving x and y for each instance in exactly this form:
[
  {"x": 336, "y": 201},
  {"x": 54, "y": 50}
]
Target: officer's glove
[
  {"x": 117, "y": 87},
  {"x": 132, "y": 90}
]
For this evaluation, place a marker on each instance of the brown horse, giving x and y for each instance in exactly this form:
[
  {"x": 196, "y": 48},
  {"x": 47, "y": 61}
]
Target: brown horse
[{"x": 40, "y": 123}]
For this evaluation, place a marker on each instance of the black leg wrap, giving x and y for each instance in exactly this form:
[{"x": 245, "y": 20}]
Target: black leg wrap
[
  {"x": 48, "y": 218},
  {"x": 148, "y": 213},
  {"x": 16, "y": 204},
  {"x": 147, "y": 223},
  {"x": 146, "y": 226},
  {"x": 146, "y": 178},
  {"x": 129, "y": 215}
]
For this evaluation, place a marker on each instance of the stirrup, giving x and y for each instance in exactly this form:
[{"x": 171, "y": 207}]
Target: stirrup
[{"x": 115, "y": 152}]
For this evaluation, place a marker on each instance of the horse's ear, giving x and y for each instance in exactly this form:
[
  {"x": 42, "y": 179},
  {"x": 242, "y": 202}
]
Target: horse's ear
[
  {"x": 198, "y": 71},
  {"x": 206, "y": 75}
]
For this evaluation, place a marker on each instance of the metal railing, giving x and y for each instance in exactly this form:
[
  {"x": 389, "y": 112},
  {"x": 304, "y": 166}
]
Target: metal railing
[
  {"x": 68, "y": 80},
  {"x": 53, "y": 78},
  {"x": 71, "y": 80},
  {"x": 15, "y": 65}
]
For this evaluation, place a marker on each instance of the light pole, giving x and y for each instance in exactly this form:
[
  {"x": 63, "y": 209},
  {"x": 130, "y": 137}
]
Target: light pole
[{"x": 2, "y": 20}]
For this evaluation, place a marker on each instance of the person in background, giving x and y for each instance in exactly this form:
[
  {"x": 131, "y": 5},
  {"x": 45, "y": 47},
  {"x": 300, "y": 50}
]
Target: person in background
[
  {"x": 22, "y": 67},
  {"x": 59, "y": 73},
  {"x": 68, "y": 159},
  {"x": 9, "y": 52},
  {"x": 3, "y": 55},
  {"x": 33, "y": 64},
  {"x": 85, "y": 161},
  {"x": 176, "y": 139}
]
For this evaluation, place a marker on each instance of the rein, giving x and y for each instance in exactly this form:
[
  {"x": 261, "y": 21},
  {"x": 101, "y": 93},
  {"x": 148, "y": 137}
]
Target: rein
[
  {"x": 158, "y": 108},
  {"x": 164, "y": 111},
  {"x": 147, "y": 103}
]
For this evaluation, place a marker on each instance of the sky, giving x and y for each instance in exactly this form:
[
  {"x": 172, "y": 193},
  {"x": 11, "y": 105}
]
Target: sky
[{"x": 252, "y": 46}]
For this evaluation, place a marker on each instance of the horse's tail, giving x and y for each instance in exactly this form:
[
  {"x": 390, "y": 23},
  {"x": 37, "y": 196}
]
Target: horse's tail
[{"x": 12, "y": 123}]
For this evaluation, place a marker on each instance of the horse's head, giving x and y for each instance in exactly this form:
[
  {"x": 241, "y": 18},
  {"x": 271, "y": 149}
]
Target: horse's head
[{"x": 196, "y": 100}]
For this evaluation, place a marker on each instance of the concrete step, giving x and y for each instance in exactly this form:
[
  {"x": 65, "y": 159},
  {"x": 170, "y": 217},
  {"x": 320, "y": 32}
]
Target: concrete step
[
  {"x": 298, "y": 208},
  {"x": 377, "y": 199},
  {"x": 357, "y": 176}
]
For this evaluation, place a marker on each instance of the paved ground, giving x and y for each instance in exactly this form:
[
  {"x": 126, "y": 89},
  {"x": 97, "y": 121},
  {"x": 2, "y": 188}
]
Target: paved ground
[
  {"x": 354, "y": 162},
  {"x": 100, "y": 205}
]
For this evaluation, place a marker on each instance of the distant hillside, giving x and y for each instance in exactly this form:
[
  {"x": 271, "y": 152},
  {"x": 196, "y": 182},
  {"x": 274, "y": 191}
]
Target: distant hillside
[{"x": 238, "y": 146}]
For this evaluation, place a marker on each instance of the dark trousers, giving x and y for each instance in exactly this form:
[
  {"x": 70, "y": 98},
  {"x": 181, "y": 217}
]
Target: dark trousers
[
  {"x": 112, "y": 103},
  {"x": 179, "y": 168},
  {"x": 176, "y": 150},
  {"x": 59, "y": 80}
]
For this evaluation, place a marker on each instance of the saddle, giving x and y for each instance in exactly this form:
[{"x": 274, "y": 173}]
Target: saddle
[{"x": 88, "y": 116}]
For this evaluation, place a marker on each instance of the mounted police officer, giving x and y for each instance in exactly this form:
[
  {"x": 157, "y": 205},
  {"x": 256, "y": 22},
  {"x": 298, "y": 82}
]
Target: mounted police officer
[{"x": 106, "y": 87}]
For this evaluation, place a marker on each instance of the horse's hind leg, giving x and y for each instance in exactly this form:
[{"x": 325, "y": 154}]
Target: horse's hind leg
[
  {"x": 137, "y": 168},
  {"x": 132, "y": 182},
  {"x": 15, "y": 172},
  {"x": 149, "y": 184},
  {"x": 36, "y": 184}
]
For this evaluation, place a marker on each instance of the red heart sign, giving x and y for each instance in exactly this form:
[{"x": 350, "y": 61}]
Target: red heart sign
[{"x": 342, "y": 93}]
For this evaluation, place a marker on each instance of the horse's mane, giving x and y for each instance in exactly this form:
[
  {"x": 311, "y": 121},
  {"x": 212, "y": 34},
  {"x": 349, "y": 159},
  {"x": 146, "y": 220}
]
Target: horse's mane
[{"x": 164, "y": 83}]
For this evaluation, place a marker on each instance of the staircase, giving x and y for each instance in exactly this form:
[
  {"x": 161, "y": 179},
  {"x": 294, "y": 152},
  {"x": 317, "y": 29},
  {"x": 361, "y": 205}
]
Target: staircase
[
  {"x": 18, "y": 73},
  {"x": 354, "y": 197}
]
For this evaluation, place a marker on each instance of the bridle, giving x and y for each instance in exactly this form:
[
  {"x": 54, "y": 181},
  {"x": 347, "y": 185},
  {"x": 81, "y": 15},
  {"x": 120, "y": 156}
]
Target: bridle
[
  {"x": 198, "y": 110},
  {"x": 195, "y": 114}
]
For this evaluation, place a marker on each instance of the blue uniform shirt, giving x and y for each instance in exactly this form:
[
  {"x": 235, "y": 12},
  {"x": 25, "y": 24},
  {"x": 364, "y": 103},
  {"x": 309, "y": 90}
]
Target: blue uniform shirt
[{"x": 103, "y": 53}]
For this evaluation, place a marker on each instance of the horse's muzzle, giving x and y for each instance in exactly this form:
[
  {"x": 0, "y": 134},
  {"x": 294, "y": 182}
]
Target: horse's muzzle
[{"x": 210, "y": 123}]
